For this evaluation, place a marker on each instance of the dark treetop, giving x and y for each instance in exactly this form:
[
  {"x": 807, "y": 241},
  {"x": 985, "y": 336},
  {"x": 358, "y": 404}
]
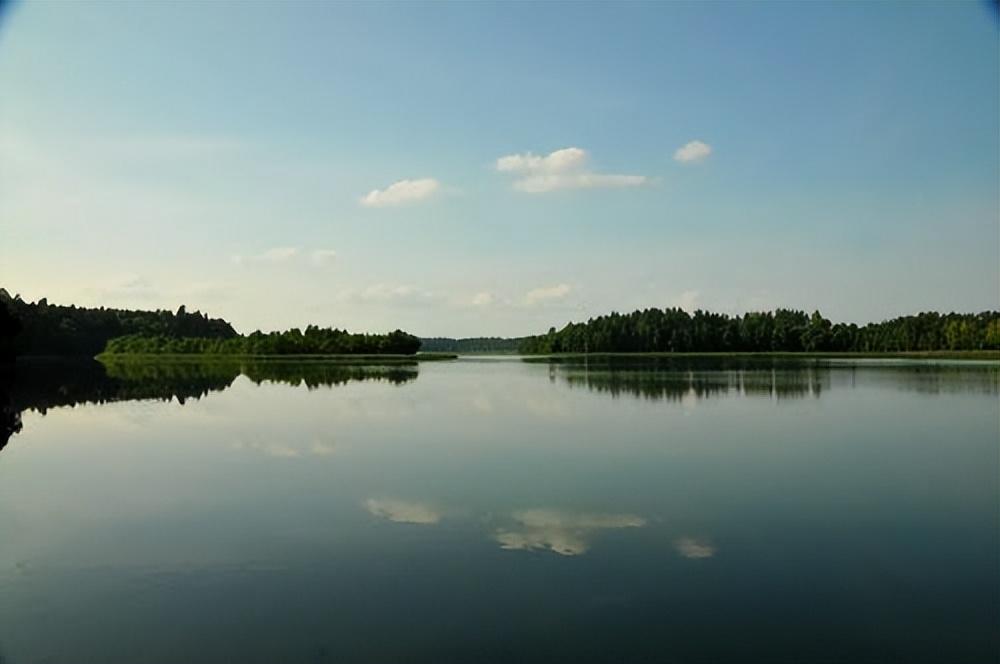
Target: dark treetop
[
  {"x": 40, "y": 328},
  {"x": 783, "y": 330},
  {"x": 50, "y": 329},
  {"x": 471, "y": 345}
]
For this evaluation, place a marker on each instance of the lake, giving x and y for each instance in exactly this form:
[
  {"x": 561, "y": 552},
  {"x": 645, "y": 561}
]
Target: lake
[{"x": 498, "y": 510}]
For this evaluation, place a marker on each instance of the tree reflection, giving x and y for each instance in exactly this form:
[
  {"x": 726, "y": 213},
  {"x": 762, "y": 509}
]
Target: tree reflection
[
  {"x": 657, "y": 384},
  {"x": 10, "y": 418},
  {"x": 41, "y": 385},
  {"x": 680, "y": 378}
]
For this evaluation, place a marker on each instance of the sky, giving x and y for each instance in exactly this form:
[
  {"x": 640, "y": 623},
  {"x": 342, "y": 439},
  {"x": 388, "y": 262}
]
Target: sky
[{"x": 465, "y": 169}]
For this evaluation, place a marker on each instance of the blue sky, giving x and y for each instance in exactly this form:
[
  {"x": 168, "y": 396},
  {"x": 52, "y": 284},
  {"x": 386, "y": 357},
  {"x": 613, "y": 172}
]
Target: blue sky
[{"x": 240, "y": 159}]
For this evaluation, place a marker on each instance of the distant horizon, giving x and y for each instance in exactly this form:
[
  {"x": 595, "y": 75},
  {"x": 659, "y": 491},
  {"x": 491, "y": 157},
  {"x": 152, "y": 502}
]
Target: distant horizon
[{"x": 450, "y": 169}]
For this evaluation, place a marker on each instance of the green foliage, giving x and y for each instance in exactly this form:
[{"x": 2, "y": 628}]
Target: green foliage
[
  {"x": 471, "y": 345},
  {"x": 783, "y": 330},
  {"x": 48, "y": 329},
  {"x": 314, "y": 341}
]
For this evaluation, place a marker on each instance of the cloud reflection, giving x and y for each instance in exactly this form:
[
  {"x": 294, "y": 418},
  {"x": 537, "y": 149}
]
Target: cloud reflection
[
  {"x": 565, "y": 533},
  {"x": 401, "y": 511},
  {"x": 285, "y": 450},
  {"x": 690, "y": 547}
]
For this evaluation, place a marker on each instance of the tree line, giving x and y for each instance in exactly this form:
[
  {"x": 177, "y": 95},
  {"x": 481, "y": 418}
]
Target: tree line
[
  {"x": 40, "y": 328},
  {"x": 471, "y": 345},
  {"x": 313, "y": 341},
  {"x": 783, "y": 330}
]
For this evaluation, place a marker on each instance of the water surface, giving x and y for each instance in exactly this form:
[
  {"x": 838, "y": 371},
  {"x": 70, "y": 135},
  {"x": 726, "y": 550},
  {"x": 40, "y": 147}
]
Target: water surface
[{"x": 496, "y": 510}]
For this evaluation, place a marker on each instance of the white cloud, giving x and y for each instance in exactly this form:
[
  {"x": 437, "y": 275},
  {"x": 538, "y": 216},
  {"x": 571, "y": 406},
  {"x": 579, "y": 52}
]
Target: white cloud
[
  {"x": 323, "y": 256},
  {"x": 401, "y": 511},
  {"x": 693, "y": 548},
  {"x": 688, "y": 300},
  {"x": 565, "y": 533},
  {"x": 273, "y": 255},
  {"x": 693, "y": 151},
  {"x": 561, "y": 169},
  {"x": 555, "y": 162},
  {"x": 482, "y": 299},
  {"x": 557, "y": 292},
  {"x": 401, "y": 192}
]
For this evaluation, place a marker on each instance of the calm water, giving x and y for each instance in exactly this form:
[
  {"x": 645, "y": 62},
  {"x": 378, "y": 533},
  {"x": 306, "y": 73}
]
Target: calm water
[{"x": 501, "y": 511}]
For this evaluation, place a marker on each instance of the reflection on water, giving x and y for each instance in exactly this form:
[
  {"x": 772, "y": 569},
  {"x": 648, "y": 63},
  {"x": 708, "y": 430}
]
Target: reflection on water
[
  {"x": 686, "y": 378},
  {"x": 401, "y": 511},
  {"x": 538, "y": 529},
  {"x": 655, "y": 384},
  {"x": 180, "y": 375},
  {"x": 690, "y": 547},
  {"x": 627, "y": 510},
  {"x": 41, "y": 385},
  {"x": 561, "y": 532},
  {"x": 10, "y": 418}
]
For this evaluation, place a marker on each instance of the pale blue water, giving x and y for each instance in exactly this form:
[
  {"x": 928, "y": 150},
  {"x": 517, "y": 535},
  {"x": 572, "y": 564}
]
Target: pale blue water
[{"x": 503, "y": 511}]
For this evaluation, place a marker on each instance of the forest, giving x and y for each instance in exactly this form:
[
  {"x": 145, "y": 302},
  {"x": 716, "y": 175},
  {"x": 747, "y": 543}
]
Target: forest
[
  {"x": 783, "y": 330},
  {"x": 43, "y": 329},
  {"x": 472, "y": 345},
  {"x": 313, "y": 341},
  {"x": 40, "y": 328}
]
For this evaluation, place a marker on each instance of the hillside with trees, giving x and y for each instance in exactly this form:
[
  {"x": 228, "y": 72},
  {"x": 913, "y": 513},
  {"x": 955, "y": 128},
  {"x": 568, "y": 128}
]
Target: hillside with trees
[{"x": 783, "y": 330}]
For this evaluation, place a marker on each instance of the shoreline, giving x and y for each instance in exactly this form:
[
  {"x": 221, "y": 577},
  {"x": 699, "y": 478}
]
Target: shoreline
[
  {"x": 993, "y": 355},
  {"x": 222, "y": 357}
]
